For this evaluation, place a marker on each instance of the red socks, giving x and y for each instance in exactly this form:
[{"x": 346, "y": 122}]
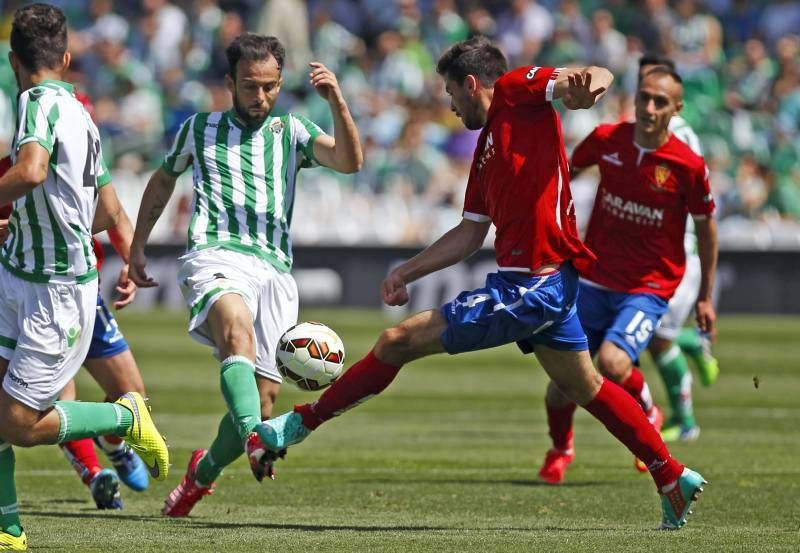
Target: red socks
[
  {"x": 623, "y": 417},
  {"x": 638, "y": 388},
  {"x": 559, "y": 420},
  {"x": 367, "y": 378},
  {"x": 83, "y": 457}
]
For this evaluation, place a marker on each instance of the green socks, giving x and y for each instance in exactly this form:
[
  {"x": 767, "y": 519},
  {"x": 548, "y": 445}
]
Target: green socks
[
  {"x": 227, "y": 447},
  {"x": 689, "y": 341},
  {"x": 238, "y": 382},
  {"x": 81, "y": 419},
  {"x": 678, "y": 381},
  {"x": 9, "y": 512}
]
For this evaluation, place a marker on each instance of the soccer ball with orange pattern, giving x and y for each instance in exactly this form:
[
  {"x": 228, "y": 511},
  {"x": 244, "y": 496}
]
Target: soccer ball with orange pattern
[{"x": 310, "y": 355}]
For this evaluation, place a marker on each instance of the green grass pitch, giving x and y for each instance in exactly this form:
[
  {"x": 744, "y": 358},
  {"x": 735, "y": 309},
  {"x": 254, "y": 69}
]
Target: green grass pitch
[{"x": 445, "y": 460}]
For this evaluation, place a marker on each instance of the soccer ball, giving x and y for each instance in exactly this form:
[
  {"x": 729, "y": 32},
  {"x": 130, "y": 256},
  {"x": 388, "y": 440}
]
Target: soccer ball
[{"x": 310, "y": 355}]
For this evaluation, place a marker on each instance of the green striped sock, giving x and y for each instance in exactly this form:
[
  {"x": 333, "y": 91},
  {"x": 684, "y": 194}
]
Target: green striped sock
[
  {"x": 678, "y": 381},
  {"x": 238, "y": 382},
  {"x": 227, "y": 447},
  {"x": 9, "y": 510}
]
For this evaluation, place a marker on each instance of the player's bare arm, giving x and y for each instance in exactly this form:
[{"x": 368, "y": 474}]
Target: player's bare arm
[
  {"x": 111, "y": 216},
  {"x": 455, "y": 245},
  {"x": 706, "y": 230},
  {"x": 582, "y": 88},
  {"x": 3, "y": 231},
  {"x": 27, "y": 173},
  {"x": 341, "y": 152},
  {"x": 156, "y": 195}
]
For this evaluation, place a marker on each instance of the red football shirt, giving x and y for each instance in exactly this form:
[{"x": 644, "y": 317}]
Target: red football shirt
[
  {"x": 519, "y": 178},
  {"x": 639, "y": 215},
  {"x": 5, "y": 213}
]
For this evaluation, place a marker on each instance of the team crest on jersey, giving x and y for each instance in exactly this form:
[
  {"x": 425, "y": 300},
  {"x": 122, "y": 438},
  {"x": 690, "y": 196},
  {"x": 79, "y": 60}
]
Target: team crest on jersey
[
  {"x": 662, "y": 173},
  {"x": 276, "y": 126}
]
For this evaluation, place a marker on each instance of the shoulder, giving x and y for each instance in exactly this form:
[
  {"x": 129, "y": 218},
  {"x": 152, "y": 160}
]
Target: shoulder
[
  {"x": 36, "y": 94},
  {"x": 686, "y": 156},
  {"x": 609, "y": 131}
]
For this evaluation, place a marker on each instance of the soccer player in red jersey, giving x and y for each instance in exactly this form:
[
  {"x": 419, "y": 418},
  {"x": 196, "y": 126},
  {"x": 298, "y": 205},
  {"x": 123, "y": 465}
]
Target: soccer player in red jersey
[
  {"x": 649, "y": 182},
  {"x": 519, "y": 181}
]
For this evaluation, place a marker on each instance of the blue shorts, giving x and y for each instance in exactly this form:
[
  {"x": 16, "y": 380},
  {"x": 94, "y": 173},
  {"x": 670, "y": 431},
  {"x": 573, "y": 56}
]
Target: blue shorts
[
  {"x": 107, "y": 340},
  {"x": 516, "y": 307},
  {"x": 627, "y": 320}
]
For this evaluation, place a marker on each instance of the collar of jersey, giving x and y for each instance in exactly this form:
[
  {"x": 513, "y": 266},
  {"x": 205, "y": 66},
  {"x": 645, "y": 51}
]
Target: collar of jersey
[
  {"x": 61, "y": 84},
  {"x": 232, "y": 116}
]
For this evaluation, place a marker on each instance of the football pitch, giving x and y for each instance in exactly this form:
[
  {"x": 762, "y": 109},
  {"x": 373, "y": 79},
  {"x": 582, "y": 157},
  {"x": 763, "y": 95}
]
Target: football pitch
[{"x": 444, "y": 460}]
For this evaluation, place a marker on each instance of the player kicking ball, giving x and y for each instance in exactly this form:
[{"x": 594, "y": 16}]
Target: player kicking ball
[
  {"x": 235, "y": 274},
  {"x": 519, "y": 181},
  {"x": 48, "y": 278}
]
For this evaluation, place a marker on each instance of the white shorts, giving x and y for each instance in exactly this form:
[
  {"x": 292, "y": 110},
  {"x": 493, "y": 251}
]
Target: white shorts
[
  {"x": 45, "y": 333},
  {"x": 682, "y": 303},
  {"x": 204, "y": 276}
]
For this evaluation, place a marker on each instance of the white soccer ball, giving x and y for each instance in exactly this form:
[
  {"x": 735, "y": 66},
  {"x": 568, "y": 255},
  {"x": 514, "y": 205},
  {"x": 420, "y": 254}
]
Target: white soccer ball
[{"x": 310, "y": 355}]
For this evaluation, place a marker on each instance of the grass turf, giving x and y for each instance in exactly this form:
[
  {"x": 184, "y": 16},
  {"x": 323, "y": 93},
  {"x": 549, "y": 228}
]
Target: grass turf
[{"x": 445, "y": 460}]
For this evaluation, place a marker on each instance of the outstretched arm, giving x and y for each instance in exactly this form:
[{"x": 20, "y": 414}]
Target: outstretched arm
[
  {"x": 156, "y": 195},
  {"x": 456, "y": 244},
  {"x": 341, "y": 152},
  {"x": 582, "y": 87},
  {"x": 706, "y": 229}
]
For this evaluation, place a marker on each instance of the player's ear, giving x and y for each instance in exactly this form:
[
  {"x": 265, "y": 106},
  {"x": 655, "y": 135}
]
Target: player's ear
[
  {"x": 678, "y": 106},
  {"x": 66, "y": 60},
  {"x": 472, "y": 84},
  {"x": 230, "y": 84}
]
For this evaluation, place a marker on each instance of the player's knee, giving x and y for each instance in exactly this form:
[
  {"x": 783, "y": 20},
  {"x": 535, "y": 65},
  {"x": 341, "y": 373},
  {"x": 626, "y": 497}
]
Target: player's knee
[
  {"x": 15, "y": 431},
  {"x": 614, "y": 365},
  {"x": 393, "y": 343}
]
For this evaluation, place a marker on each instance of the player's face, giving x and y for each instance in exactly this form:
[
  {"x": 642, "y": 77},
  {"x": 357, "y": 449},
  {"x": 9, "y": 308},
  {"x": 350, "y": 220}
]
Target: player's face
[
  {"x": 657, "y": 100},
  {"x": 255, "y": 89},
  {"x": 465, "y": 104}
]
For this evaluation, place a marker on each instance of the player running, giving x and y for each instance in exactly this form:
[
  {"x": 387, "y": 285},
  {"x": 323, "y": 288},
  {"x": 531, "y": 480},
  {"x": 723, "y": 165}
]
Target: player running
[
  {"x": 649, "y": 182},
  {"x": 671, "y": 340},
  {"x": 519, "y": 181},
  {"x": 235, "y": 275},
  {"x": 112, "y": 365},
  {"x": 48, "y": 278}
]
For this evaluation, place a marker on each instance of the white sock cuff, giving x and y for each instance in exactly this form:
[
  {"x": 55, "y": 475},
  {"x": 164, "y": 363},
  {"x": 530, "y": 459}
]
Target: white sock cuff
[{"x": 236, "y": 359}]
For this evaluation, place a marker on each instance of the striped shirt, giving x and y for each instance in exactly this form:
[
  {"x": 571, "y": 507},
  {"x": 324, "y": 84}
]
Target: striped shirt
[
  {"x": 243, "y": 181},
  {"x": 50, "y": 235},
  {"x": 680, "y": 128}
]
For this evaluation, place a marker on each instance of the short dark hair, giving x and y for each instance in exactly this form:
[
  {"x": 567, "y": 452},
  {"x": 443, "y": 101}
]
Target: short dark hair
[
  {"x": 39, "y": 36},
  {"x": 653, "y": 58},
  {"x": 475, "y": 56},
  {"x": 253, "y": 47},
  {"x": 664, "y": 70}
]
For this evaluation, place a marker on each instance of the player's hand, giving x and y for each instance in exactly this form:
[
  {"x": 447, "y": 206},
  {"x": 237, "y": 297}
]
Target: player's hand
[
  {"x": 3, "y": 231},
  {"x": 136, "y": 271},
  {"x": 126, "y": 289},
  {"x": 579, "y": 94},
  {"x": 394, "y": 290},
  {"x": 324, "y": 82},
  {"x": 706, "y": 318}
]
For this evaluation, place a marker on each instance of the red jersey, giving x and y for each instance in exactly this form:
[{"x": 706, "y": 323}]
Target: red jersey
[
  {"x": 5, "y": 213},
  {"x": 639, "y": 215},
  {"x": 519, "y": 178}
]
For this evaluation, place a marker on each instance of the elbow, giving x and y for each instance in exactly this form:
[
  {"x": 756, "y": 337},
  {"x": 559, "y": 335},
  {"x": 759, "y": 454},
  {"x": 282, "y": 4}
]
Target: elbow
[
  {"x": 355, "y": 164},
  {"x": 32, "y": 177}
]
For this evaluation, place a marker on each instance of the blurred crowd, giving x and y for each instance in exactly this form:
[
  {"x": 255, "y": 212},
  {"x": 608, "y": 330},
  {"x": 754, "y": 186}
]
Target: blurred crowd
[{"x": 149, "y": 64}]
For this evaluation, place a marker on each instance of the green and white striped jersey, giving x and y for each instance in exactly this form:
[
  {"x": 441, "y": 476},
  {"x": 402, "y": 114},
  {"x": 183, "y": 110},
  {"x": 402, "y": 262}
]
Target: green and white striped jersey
[
  {"x": 683, "y": 132},
  {"x": 50, "y": 227},
  {"x": 244, "y": 181}
]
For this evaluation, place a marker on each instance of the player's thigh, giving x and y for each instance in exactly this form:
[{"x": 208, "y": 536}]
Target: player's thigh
[
  {"x": 116, "y": 375},
  {"x": 207, "y": 276},
  {"x": 572, "y": 372},
  {"x": 635, "y": 322},
  {"x": 57, "y": 319},
  {"x": 278, "y": 305},
  {"x": 682, "y": 302}
]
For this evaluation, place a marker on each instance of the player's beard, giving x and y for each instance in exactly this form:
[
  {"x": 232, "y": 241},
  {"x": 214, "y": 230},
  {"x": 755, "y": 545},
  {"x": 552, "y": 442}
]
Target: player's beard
[{"x": 243, "y": 114}]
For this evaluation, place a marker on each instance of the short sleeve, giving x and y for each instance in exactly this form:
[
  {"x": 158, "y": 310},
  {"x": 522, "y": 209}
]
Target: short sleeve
[
  {"x": 35, "y": 120},
  {"x": 699, "y": 199},
  {"x": 306, "y": 132},
  {"x": 587, "y": 152},
  {"x": 103, "y": 174},
  {"x": 474, "y": 206},
  {"x": 180, "y": 155},
  {"x": 530, "y": 85}
]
